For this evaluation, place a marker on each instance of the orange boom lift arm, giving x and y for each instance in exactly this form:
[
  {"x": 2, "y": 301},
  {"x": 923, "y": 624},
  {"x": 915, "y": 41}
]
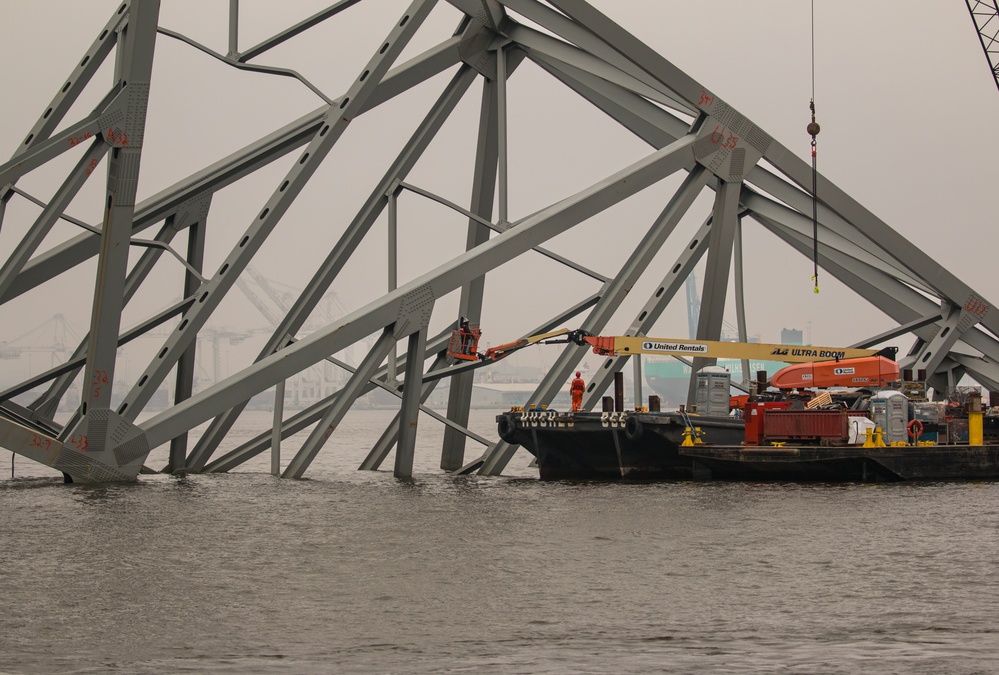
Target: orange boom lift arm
[{"x": 815, "y": 366}]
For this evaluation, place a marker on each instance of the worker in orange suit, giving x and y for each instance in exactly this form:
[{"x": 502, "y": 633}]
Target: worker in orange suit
[
  {"x": 576, "y": 390},
  {"x": 465, "y": 331}
]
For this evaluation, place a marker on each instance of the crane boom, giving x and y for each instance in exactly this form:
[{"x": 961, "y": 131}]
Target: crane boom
[
  {"x": 629, "y": 345},
  {"x": 623, "y": 345},
  {"x": 985, "y": 15},
  {"x": 498, "y": 352}
]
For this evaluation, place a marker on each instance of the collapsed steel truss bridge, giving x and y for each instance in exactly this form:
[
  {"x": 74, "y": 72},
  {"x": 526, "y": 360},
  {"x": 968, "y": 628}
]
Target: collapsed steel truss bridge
[{"x": 688, "y": 128}]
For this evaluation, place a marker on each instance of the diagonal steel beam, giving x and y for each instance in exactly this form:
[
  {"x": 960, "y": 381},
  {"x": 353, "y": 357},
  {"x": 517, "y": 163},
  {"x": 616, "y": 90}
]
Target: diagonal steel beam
[
  {"x": 298, "y": 28},
  {"x": 234, "y": 167},
  {"x": 380, "y": 450},
  {"x": 591, "y": 41},
  {"x": 310, "y": 297},
  {"x": 613, "y": 294},
  {"x": 470, "y": 302},
  {"x": 280, "y": 201},
  {"x": 47, "y": 403},
  {"x": 530, "y": 232},
  {"x": 409, "y": 412},
  {"x": 720, "y": 243},
  {"x": 332, "y": 417},
  {"x": 84, "y": 168},
  {"x": 125, "y": 135},
  {"x": 300, "y": 420},
  {"x": 667, "y": 289},
  {"x": 796, "y": 169}
]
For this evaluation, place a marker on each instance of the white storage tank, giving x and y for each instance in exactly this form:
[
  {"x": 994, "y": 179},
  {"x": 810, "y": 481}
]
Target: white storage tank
[
  {"x": 890, "y": 411},
  {"x": 713, "y": 391}
]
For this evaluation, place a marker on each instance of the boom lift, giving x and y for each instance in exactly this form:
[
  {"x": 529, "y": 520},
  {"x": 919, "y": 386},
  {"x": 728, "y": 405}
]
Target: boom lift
[
  {"x": 819, "y": 367},
  {"x": 625, "y": 345},
  {"x": 467, "y": 350}
]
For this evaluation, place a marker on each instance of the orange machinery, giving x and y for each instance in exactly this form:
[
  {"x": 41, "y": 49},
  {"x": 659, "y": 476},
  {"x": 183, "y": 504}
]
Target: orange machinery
[{"x": 864, "y": 372}]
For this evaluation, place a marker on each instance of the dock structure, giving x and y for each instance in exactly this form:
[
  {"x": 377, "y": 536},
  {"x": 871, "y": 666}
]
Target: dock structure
[{"x": 689, "y": 129}]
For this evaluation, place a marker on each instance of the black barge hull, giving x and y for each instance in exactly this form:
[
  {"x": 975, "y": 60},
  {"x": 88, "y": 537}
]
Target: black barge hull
[
  {"x": 612, "y": 445},
  {"x": 649, "y": 446}
]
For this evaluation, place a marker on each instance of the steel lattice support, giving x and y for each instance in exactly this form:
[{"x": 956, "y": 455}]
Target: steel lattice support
[
  {"x": 688, "y": 131},
  {"x": 985, "y": 15}
]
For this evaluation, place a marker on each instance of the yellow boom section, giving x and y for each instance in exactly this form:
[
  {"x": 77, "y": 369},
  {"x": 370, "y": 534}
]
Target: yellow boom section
[
  {"x": 624, "y": 346},
  {"x": 498, "y": 352}
]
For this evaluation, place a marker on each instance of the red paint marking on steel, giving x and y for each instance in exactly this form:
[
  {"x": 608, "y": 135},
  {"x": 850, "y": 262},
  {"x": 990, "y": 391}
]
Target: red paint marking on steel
[
  {"x": 76, "y": 140},
  {"x": 719, "y": 133},
  {"x": 976, "y": 306}
]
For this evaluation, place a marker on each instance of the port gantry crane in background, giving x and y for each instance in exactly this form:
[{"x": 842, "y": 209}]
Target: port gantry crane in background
[
  {"x": 985, "y": 15},
  {"x": 688, "y": 128}
]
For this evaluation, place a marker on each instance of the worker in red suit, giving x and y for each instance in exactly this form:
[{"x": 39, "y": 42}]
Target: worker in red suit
[{"x": 576, "y": 390}]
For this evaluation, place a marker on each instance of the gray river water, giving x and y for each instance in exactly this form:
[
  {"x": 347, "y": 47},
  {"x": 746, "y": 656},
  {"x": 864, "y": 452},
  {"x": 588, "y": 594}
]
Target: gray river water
[{"x": 352, "y": 571}]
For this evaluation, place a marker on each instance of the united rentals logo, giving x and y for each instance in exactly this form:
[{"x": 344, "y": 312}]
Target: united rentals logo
[
  {"x": 686, "y": 348},
  {"x": 844, "y": 371}
]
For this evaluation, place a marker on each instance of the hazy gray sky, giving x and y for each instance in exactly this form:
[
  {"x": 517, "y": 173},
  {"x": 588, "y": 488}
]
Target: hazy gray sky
[{"x": 904, "y": 96}]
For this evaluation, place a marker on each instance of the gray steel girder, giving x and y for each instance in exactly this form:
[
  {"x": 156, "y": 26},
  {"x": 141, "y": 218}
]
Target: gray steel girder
[
  {"x": 125, "y": 134},
  {"x": 75, "y": 83},
  {"x": 184, "y": 385},
  {"x": 310, "y": 415},
  {"x": 933, "y": 352},
  {"x": 612, "y": 295},
  {"x": 347, "y": 244},
  {"x": 322, "y": 143},
  {"x": 135, "y": 277},
  {"x": 720, "y": 242},
  {"x": 770, "y": 214},
  {"x": 569, "y": 40},
  {"x": 470, "y": 303},
  {"x": 334, "y": 414},
  {"x": 379, "y": 451},
  {"x": 918, "y": 262},
  {"x": 409, "y": 413},
  {"x": 528, "y": 233},
  {"x": 894, "y": 298},
  {"x": 592, "y": 42},
  {"x": 254, "y": 156},
  {"x": 651, "y": 311}
]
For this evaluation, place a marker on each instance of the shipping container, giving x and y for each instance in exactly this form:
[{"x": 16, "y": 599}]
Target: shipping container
[{"x": 812, "y": 426}]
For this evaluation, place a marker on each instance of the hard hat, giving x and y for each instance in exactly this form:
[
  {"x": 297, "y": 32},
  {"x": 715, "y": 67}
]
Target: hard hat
[{"x": 578, "y": 374}]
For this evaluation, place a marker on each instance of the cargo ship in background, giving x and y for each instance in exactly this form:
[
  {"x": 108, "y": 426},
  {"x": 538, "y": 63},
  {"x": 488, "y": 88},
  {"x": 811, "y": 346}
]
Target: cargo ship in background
[{"x": 669, "y": 378}]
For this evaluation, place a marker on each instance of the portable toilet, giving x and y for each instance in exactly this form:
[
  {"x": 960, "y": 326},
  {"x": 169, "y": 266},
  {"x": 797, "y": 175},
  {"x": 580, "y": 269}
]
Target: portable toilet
[
  {"x": 713, "y": 391},
  {"x": 890, "y": 411}
]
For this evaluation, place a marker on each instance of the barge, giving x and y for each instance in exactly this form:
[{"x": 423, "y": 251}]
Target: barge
[
  {"x": 856, "y": 435},
  {"x": 678, "y": 446}
]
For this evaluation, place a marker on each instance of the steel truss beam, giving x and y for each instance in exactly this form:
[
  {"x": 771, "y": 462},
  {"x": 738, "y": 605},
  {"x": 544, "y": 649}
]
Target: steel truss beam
[{"x": 687, "y": 126}]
